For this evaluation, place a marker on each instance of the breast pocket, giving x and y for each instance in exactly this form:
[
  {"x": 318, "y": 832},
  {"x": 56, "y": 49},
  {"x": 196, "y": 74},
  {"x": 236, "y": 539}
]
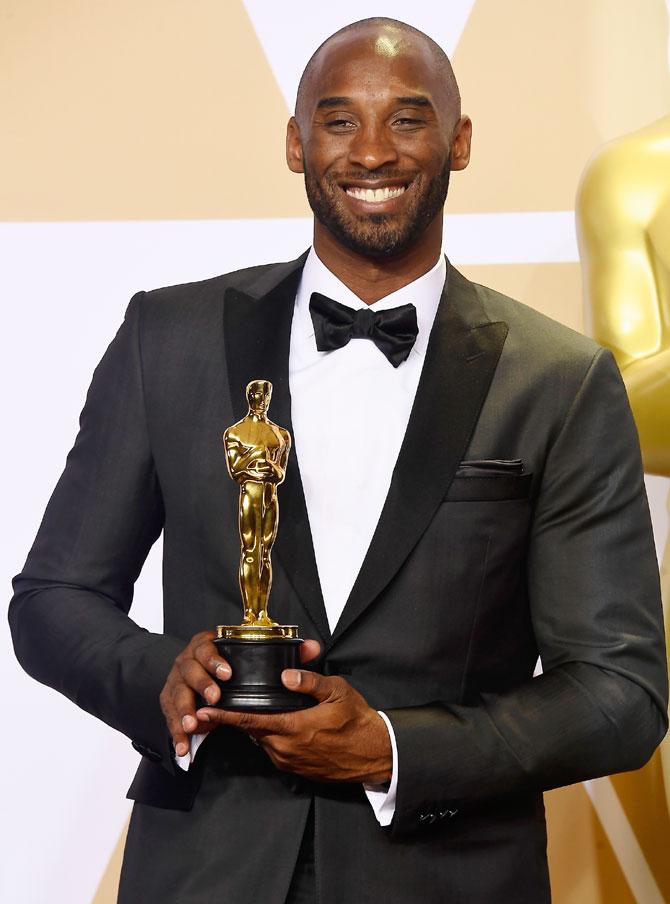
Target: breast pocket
[{"x": 489, "y": 480}]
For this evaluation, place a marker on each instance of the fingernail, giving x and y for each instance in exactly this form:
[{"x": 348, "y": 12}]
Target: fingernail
[
  {"x": 211, "y": 694},
  {"x": 188, "y": 723},
  {"x": 223, "y": 671},
  {"x": 292, "y": 677},
  {"x": 181, "y": 749},
  {"x": 203, "y": 716}
]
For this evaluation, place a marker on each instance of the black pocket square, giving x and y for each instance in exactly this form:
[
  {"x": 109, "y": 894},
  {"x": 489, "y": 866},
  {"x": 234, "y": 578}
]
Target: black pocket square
[
  {"x": 489, "y": 480},
  {"x": 489, "y": 467}
]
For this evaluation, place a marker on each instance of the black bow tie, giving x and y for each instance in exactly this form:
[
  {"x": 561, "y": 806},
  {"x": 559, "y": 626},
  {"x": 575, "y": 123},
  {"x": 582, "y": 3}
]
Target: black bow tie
[{"x": 393, "y": 331}]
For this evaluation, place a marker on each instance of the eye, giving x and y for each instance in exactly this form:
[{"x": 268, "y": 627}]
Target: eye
[
  {"x": 341, "y": 124},
  {"x": 407, "y": 122}
]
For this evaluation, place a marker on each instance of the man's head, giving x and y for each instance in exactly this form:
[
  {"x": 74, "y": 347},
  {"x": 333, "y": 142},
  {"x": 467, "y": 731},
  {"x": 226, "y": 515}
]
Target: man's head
[
  {"x": 376, "y": 131},
  {"x": 258, "y": 396}
]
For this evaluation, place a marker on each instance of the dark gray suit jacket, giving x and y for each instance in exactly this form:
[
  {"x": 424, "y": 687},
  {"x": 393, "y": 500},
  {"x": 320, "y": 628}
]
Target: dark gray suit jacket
[{"x": 474, "y": 569}]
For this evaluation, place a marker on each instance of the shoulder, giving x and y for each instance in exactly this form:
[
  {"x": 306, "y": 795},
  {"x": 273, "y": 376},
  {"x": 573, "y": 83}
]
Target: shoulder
[
  {"x": 204, "y": 297},
  {"x": 541, "y": 358},
  {"x": 533, "y": 333}
]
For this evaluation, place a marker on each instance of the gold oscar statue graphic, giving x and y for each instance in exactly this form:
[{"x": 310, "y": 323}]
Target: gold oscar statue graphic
[
  {"x": 258, "y": 649},
  {"x": 623, "y": 225}
]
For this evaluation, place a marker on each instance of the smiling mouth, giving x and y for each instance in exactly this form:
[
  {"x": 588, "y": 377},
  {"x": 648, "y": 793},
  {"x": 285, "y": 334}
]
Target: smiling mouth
[{"x": 375, "y": 195}]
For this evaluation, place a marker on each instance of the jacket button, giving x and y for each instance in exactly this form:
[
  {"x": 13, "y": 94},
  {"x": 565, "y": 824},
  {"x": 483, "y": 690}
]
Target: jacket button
[
  {"x": 448, "y": 813},
  {"x": 427, "y": 818},
  {"x": 148, "y": 752}
]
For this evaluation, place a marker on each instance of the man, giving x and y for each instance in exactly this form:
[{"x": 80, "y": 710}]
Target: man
[{"x": 454, "y": 507}]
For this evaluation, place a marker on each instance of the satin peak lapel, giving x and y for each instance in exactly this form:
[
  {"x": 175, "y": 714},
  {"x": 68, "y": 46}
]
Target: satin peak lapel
[
  {"x": 257, "y": 332},
  {"x": 461, "y": 358}
]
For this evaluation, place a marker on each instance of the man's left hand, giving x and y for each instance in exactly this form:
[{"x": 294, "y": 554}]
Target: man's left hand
[{"x": 341, "y": 739}]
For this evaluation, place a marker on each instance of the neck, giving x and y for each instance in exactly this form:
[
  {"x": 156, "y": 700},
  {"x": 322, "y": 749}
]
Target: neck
[{"x": 372, "y": 278}]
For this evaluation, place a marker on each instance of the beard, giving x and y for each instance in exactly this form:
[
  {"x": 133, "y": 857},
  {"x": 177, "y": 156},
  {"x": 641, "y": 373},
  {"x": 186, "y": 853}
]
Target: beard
[{"x": 376, "y": 235}]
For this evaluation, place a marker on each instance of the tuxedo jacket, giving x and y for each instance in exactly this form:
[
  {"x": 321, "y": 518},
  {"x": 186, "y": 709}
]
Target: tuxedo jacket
[{"x": 515, "y": 524}]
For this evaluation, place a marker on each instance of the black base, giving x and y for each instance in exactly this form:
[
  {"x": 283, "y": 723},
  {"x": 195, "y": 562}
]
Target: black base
[{"x": 256, "y": 680}]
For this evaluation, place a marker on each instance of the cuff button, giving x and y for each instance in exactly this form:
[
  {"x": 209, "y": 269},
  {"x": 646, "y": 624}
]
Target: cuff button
[{"x": 444, "y": 814}]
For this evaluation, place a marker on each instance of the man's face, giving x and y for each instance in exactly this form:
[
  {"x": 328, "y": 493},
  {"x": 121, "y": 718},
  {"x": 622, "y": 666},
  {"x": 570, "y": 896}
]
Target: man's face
[{"x": 374, "y": 142}]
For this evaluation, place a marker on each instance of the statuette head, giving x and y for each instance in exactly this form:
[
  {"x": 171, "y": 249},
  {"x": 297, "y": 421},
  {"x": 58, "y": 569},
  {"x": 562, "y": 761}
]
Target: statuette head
[{"x": 259, "y": 393}]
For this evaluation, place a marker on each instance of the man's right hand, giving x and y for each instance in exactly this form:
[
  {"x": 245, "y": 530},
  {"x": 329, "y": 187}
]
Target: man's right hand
[{"x": 191, "y": 675}]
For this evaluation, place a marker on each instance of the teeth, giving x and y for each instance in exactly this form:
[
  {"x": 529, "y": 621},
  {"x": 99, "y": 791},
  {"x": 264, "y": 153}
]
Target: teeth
[{"x": 375, "y": 195}]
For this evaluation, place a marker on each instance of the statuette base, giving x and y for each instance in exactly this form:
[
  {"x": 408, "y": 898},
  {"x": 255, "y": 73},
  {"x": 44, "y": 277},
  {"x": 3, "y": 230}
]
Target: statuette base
[{"x": 257, "y": 656}]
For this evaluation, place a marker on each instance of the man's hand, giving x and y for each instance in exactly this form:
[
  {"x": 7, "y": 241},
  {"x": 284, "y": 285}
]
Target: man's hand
[
  {"x": 342, "y": 739},
  {"x": 191, "y": 675}
]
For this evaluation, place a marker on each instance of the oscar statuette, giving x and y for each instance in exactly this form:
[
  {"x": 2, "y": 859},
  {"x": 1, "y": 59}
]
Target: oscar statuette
[{"x": 259, "y": 649}]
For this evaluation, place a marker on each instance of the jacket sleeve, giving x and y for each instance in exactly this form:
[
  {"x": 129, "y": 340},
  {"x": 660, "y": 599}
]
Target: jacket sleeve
[
  {"x": 592, "y": 576},
  {"x": 69, "y": 614}
]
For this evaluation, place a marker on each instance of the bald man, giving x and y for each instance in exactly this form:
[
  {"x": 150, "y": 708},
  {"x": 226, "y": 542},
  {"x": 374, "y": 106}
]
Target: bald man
[{"x": 465, "y": 495}]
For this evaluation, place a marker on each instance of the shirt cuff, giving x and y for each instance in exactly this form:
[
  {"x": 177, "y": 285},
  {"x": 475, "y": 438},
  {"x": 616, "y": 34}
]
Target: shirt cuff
[
  {"x": 382, "y": 797},
  {"x": 185, "y": 761}
]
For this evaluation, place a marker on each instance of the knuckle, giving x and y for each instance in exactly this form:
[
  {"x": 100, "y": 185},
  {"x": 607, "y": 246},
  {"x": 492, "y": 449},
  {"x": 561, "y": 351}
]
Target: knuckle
[
  {"x": 247, "y": 721},
  {"x": 203, "y": 648},
  {"x": 339, "y": 685},
  {"x": 281, "y": 747},
  {"x": 184, "y": 702},
  {"x": 289, "y": 724}
]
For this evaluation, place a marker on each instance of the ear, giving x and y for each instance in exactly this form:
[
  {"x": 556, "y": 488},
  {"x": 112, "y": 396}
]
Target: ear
[
  {"x": 460, "y": 143},
  {"x": 294, "y": 147}
]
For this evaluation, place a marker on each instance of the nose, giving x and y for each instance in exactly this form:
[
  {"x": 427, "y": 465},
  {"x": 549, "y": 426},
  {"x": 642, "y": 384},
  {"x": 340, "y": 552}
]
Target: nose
[{"x": 372, "y": 146}]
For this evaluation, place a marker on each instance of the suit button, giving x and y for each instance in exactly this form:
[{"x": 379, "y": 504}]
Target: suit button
[
  {"x": 447, "y": 813},
  {"x": 148, "y": 752}
]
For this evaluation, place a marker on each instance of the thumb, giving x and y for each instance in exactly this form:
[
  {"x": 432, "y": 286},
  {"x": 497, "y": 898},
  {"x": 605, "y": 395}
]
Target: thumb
[{"x": 319, "y": 686}]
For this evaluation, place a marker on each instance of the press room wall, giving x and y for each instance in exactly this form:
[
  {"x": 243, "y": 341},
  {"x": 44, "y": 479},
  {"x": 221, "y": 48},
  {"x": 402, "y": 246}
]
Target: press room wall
[{"x": 142, "y": 146}]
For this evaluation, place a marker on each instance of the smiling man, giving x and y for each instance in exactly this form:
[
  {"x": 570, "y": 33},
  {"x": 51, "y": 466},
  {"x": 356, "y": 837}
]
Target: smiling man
[{"x": 465, "y": 495}]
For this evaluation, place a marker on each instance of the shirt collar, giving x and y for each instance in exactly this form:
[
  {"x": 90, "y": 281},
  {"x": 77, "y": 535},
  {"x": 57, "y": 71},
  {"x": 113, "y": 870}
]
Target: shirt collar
[{"x": 424, "y": 293}]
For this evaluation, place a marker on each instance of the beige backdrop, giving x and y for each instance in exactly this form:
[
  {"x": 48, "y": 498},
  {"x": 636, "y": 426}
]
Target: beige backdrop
[{"x": 116, "y": 113}]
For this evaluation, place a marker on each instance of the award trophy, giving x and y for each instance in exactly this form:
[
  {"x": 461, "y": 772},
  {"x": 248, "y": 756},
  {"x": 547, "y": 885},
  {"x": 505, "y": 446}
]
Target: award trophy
[{"x": 259, "y": 649}]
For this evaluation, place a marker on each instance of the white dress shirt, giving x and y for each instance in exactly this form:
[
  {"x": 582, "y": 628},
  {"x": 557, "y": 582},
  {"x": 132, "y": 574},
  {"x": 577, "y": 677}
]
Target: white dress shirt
[{"x": 349, "y": 410}]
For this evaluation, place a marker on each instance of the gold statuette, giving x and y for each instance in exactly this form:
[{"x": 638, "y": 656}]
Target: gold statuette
[
  {"x": 623, "y": 226},
  {"x": 623, "y": 220},
  {"x": 258, "y": 649}
]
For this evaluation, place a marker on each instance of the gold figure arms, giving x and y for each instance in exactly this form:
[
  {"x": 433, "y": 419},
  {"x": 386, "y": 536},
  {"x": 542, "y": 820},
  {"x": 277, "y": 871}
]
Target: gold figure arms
[{"x": 623, "y": 225}]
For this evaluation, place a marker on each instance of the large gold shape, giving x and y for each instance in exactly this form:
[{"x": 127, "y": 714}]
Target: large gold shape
[
  {"x": 623, "y": 216},
  {"x": 623, "y": 226},
  {"x": 256, "y": 456}
]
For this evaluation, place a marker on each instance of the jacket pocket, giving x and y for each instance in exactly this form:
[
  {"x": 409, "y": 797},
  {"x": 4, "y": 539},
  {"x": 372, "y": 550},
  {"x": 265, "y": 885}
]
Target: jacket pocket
[
  {"x": 490, "y": 467},
  {"x": 489, "y": 480}
]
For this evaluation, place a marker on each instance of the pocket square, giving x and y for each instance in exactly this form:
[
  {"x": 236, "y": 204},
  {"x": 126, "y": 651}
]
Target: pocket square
[
  {"x": 490, "y": 467},
  {"x": 490, "y": 479}
]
